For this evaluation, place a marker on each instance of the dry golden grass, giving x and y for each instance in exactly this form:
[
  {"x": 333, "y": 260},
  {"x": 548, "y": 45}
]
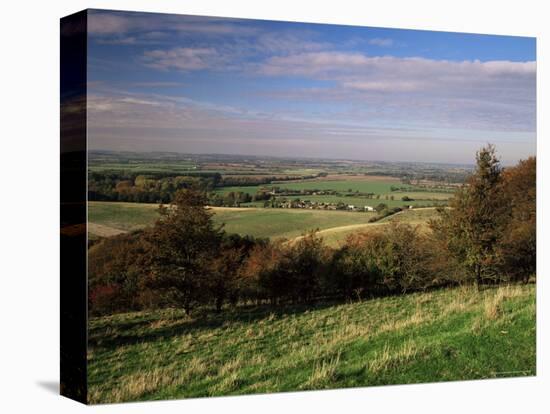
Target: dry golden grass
[
  {"x": 389, "y": 358},
  {"x": 397, "y": 324},
  {"x": 323, "y": 372},
  {"x": 493, "y": 303},
  {"x": 463, "y": 298}
]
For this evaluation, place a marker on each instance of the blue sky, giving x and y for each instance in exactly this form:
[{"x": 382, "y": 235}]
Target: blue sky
[{"x": 193, "y": 84}]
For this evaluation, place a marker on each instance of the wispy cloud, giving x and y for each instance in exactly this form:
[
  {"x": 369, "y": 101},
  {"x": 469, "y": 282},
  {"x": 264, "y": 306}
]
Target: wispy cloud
[
  {"x": 183, "y": 58},
  {"x": 110, "y": 26},
  {"x": 147, "y": 122},
  {"x": 382, "y": 42},
  {"x": 495, "y": 94},
  {"x": 157, "y": 84}
]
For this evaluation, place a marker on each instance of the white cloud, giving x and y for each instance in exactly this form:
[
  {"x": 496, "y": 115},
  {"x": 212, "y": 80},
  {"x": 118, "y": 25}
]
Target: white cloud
[
  {"x": 493, "y": 95},
  {"x": 101, "y": 24},
  {"x": 382, "y": 42},
  {"x": 150, "y": 26},
  {"x": 183, "y": 58},
  {"x": 337, "y": 64}
]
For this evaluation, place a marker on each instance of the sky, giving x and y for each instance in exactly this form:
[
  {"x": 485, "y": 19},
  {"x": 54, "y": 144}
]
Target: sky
[{"x": 190, "y": 84}]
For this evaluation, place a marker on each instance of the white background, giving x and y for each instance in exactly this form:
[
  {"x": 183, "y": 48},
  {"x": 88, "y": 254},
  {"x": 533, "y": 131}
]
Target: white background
[{"x": 29, "y": 212}]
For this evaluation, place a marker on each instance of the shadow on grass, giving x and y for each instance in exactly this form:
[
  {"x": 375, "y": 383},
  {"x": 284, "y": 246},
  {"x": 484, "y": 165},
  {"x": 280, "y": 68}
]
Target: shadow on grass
[
  {"x": 138, "y": 329},
  {"x": 109, "y": 336}
]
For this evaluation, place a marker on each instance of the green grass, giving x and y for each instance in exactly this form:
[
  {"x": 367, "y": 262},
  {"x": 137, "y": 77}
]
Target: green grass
[
  {"x": 446, "y": 335},
  {"x": 123, "y": 216},
  {"x": 270, "y": 223},
  {"x": 285, "y": 223}
]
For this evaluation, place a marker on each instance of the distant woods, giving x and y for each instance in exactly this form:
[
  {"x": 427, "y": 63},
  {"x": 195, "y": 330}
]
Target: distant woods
[
  {"x": 146, "y": 188},
  {"x": 487, "y": 236},
  {"x": 155, "y": 187}
]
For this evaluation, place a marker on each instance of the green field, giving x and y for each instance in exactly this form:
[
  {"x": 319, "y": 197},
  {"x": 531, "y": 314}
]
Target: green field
[
  {"x": 377, "y": 187},
  {"x": 285, "y": 223},
  {"x": 123, "y": 216},
  {"x": 335, "y": 226},
  {"x": 180, "y": 167},
  {"x": 342, "y": 186},
  {"x": 445, "y": 335},
  {"x": 360, "y": 202},
  {"x": 271, "y": 223}
]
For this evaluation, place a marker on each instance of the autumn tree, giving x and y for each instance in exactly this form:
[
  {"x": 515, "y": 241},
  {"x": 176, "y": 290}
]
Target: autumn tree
[
  {"x": 303, "y": 266},
  {"x": 257, "y": 280},
  {"x": 518, "y": 246},
  {"x": 179, "y": 251},
  {"x": 223, "y": 281},
  {"x": 114, "y": 274},
  {"x": 474, "y": 223}
]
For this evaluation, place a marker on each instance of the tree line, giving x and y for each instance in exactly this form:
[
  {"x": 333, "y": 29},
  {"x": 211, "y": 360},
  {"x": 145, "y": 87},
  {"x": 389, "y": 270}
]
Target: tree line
[
  {"x": 161, "y": 187},
  {"x": 486, "y": 236}
]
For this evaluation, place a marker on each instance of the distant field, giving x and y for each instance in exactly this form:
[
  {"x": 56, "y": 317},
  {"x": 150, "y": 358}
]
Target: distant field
[
  {"x": 108, "y": 218},
  {"x": 179, "y": 167},
  {"x": 122, "y": 216},
  {"x": 445, "y": 335},
  {"x": 360, "y": 202},
  {"x": 376, "y": 186},
  {"x": 272, "y": 223},
  {"x": 285, "y": 223},
  {"x": 380, "y": 186}
]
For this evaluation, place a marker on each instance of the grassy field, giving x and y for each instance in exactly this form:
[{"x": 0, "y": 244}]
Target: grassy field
[
  {"x": 180, "y": 167},
  {"x": 285, "y": 223},
  {"x": 122, "y": 216},
  {"x": 446, "y": 335},
  {"x": 272, "y": 223},
  {"x": 108, "y": 218},
  {"x": 375, "y": 186},
  {"x": 360, "y": 202}
]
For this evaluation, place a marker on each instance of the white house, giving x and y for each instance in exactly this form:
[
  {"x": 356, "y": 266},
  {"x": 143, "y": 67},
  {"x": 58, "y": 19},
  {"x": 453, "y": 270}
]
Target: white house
[{"x": 369, "y": 208}]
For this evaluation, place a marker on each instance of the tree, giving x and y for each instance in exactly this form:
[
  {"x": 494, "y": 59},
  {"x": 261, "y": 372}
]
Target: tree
[
  {"x": 223, "y": 282},
  {"x": 381, "y": 207},
  {"x": 179, "y": 250},
  {"x": 518, "y": 246},
  {"x": 475, "y": 221},
  {"x": 114, "y": 274},
  {"x": 302, "y": 265}
]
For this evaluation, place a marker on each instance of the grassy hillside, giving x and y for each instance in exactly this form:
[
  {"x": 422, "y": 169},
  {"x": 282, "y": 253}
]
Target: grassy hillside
[{"x": 453, "y": 334}]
